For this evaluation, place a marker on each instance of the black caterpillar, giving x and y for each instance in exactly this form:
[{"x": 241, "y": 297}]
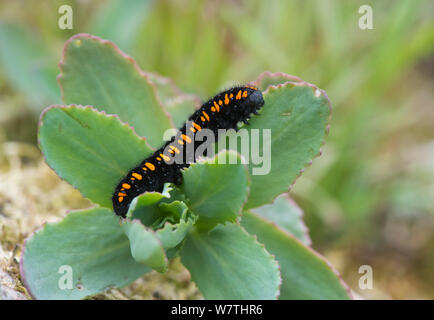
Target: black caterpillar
[{"x": 224, "y": 111}]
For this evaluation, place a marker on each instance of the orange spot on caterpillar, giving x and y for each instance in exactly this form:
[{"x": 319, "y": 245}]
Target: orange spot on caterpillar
[
  {"x": 220, "y": 102},
  {"x": 206, "y": 115},
  {"x": 158, "y": 158},
  {"x": 186, "y": 138},
  {"x": 180, "y": 142},
  {"x": 226, "y": 99},
  {"x": 164, "y": 157},
  {"x": 213, "y": 109},
  {"x": 231, "y": 96},
  {"x": 198, "y": 127},
  {"x": 172, "y": 152},
  {"x": 216, "y": 106},
  {"x": 137, "y": 176},
  {"x": 192, "y": 130},
  {"x": 238, "y": 97},
  {"x": 126, "y": 186},
  {"x": 121, "y": 194},
  {"x": 245, "y": 94},
  {"x": 202, "y": 118},
  {"x": 150, "y": 166},
  {"x": 120, "y": 199}
]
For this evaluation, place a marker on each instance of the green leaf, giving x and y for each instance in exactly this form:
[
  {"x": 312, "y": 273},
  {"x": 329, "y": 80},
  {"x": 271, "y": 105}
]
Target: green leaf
[
  {"x": 97, "y": 73},
  {"x": 305, "y": 274},
  {"x": 180, "y": 105},
  {"x": 145, "y": 206},
  {"x": 268, "y": 78},
  {"x": 92, "y": 243},
  {"x": 145, "y": 246},
  {"x": 287, "y": 215},
  {"x": 89, "y": 149},
  {"x": 228, "y": 263},
  {"x": 181, "y": 108},
  {"x": 163, "y": 213},
  {"x": 216, "y": 193},
  {"x": 28, "y": 65},
  {"x": 298, "y": 115}
]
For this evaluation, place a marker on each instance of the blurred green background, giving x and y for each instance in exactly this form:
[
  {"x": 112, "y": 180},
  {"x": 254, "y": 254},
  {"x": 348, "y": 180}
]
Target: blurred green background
[{"x": 368, "y": 200}]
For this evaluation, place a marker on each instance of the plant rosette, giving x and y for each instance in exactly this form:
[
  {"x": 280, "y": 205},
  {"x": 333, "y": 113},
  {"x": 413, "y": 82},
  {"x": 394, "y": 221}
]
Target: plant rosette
[{"x": 239, "y": 234}]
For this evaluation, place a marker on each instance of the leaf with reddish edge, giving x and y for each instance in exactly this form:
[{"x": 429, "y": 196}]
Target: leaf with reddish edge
[
  {"x": 305, "y": 274},
  {"x": 88, "y": 245},
  {"x": 121, "y": 23},
  {"x": 96, "y": 72},
  {"x": 145, "y": 245},
  {"x": 287, "y": 215},
  {"x": 89, "y": 149},
  {"x": 267, "y": 78},
  {"x": 298, "y": 115},
  {"x": 216, "y": 192},
  {"x": 25, "y": 59}
]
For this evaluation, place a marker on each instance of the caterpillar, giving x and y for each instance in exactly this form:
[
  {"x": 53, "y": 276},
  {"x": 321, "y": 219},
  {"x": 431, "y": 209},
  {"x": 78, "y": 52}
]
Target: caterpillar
[{"x": 223, "y": 111}]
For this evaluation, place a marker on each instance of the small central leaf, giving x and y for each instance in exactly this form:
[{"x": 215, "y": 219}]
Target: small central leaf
[
  {"x": 297, "y": 115},
  {"x": 163, "y": 213}
]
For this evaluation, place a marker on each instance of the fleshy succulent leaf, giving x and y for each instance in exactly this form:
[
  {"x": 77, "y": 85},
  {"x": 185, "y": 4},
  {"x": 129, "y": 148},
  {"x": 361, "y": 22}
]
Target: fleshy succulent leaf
[
  {"x": 297, "y": 113},
  {"x": 216, "y": 192},
  {"x": 228, "y": 263},
  {"x": 286, "y": 214}
]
